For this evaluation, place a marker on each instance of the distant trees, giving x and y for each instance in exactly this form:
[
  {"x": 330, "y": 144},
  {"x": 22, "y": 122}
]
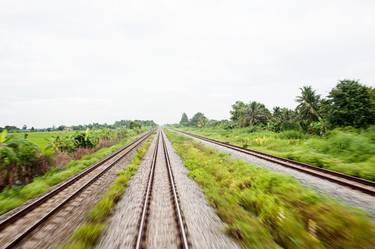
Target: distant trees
[
  {"x": 129, "y": 124},
  {"x": 198, "y": 120},
  {"x": 352, "y": 104},
  {"x": 184, "y": 120},
  {"x": 283, "y": 119},
  {"x": 308, "y": 104},
  {"x": 349, "y": 103},
  {"x": 135, "y": 124},
  {"x": 256, "y": 114},
  {"x": 61, "y": 127},
  {"x": 238, "y": 113},
  {"x": 251, "y": 114}
]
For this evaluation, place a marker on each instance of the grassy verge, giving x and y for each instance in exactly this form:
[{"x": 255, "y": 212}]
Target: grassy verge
[
  {"x": 348, "y": 151},
  {"x": 86, "y": 235},
  {"x": 263, "y": 209},
  {"x": 16, "y": 196}
]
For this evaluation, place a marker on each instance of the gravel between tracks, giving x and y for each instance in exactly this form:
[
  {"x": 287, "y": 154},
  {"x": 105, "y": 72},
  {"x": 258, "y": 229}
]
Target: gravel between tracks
[
  {"x": 341, "y": 193},
  {"x": 205, "y": 229}
]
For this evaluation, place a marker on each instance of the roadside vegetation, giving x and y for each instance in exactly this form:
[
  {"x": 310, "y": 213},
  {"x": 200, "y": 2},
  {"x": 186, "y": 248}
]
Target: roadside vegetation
[
  {"x": 21, "y": 160},
  {"x": 86, "y": 235},
  {"x": 27, "y": 172},
  {"x": 263, "y": 209},
  {"x": 336, "y": 132},
  {"x": 41, "y": 139},
  {"x": 348, "y": 151}
]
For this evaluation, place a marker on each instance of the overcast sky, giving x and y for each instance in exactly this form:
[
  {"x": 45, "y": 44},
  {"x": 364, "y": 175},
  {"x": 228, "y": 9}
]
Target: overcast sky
[{"x": 76, "y": 62}]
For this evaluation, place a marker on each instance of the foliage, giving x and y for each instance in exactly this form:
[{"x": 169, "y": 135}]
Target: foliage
[
  {"x": 84, "y": 139},
  {"x": 283, "y": 119},
  {"x": 250, "y": 114},
  {"x": 86, "y": 235},
  {"x": 198, "y": 120},
  {"x": 351, "y": 105},
  {"x": 238, "y": 112},
  {"x": 12, "y": 197},
  {"x": 41, "y": 139},
  {"x": 263, "y": 209},
  {"x": 350, "y": 151},
  {"x": 348, "y": 104},
  {"x": 184, "y": 120},
  {"x": 308, "y": 107},
  {"x": 19, "y": 160}
]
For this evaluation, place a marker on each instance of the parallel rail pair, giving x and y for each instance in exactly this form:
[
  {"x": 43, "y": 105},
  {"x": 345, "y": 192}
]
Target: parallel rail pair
[
  {"x": 16, "y": 216},
  {"x": 356, "y": 183},
  {"x": 143, "y": 223}
]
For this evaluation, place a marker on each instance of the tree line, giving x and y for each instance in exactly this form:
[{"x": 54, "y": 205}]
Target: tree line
[
  {"x": 129, "y": 124},
  {"x": 349, "y": 103}
]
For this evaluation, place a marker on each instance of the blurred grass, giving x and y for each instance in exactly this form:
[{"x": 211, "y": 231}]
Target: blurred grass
[
  {"x": 86, "y": 234},
  {"x": 263, "y": 209},
  {"x": 348, "y": 151},
  {"x": 15, "y": 196}
]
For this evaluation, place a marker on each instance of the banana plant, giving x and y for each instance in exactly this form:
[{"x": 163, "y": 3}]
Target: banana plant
[{"x": 4, "y": 137}]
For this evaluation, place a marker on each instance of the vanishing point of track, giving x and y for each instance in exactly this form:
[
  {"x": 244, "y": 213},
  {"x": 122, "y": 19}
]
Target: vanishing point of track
[
  {"x": 356, "y": 183},
  {"x": 81, "y": 180},
  {"x": 143, "y": 222}
]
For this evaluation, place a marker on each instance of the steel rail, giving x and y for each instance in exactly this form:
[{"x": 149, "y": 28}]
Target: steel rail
[
  {"x": 356, "y": 183},
  {"x": 147, "y": 199},
  {"x": 183, "y": 234},
  {"x": 19, "y": 214}
]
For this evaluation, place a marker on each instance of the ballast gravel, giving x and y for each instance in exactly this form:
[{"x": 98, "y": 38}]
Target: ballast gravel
[{"x": 204, "y": 227}]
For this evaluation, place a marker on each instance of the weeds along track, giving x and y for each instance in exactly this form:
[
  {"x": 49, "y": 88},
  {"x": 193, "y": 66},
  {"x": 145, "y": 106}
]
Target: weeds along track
[
  {"x": 161, "y": 208},
  {"x": 356, "y": 183},
  {"x": 17, "y": 226}
]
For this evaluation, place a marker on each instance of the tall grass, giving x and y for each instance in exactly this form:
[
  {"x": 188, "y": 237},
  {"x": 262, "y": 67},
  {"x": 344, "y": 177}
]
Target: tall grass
[
  {"x": 86, "y": 235},
  {"x": 349, "y": 151},
  {"x": 263, "y": 209},
  {"x": 12, "y": 197}
]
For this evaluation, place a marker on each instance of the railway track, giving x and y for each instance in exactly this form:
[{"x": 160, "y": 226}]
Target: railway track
[
  {"x": 15, "y": 227},
  {"x": 356, "y": 183},
  {"x": 141, "y": 240}
]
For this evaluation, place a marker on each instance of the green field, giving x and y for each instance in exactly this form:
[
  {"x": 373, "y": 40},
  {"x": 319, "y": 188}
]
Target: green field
[
  {"x": 350, "y": 151},
  {"x": 40, "y": 138}
]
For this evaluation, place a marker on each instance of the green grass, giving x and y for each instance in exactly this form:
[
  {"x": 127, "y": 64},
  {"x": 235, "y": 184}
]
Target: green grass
[
  {"x": 263, "y": 209},
  {"x": 348, "y": 151},
  {"x": 86, "y": 235},
  {"x": 13, "y": 197},
  {"x": 41, "y": 138}
]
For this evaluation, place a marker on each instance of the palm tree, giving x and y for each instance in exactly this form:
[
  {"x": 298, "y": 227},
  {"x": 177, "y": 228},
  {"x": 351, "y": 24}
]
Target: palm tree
[
  {"x": 308, "y": 105},
  {"x": 256, "y": 113}
]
